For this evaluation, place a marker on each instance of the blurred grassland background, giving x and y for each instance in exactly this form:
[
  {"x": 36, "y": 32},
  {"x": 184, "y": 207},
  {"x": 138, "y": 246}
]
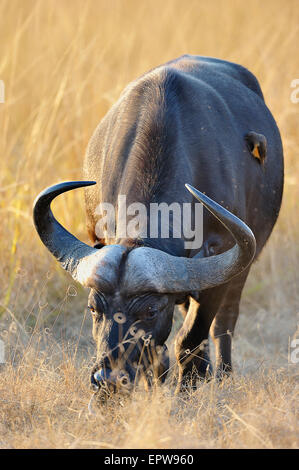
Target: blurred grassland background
[{"x": 64, "y": 63}]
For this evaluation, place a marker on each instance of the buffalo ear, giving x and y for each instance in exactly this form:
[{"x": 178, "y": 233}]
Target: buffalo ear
[{"x": 257, "y": 145}]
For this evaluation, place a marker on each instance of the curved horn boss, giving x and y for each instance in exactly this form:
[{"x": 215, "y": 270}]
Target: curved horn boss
[
  {"x": 66, "y": 248},
  {"x": 164, "y": 273},
  {"x": 172, "y": 274},
  {"x": 85, "y": 263}
]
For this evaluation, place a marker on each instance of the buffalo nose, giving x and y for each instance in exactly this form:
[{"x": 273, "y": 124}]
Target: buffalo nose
[
  {"x": 114, "y": 379},
  {"x": 101, "y": 376}
]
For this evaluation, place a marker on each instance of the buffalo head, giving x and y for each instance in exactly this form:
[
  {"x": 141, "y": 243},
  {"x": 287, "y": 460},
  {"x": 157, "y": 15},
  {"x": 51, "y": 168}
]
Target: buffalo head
[{"x": 133, "y": 291}]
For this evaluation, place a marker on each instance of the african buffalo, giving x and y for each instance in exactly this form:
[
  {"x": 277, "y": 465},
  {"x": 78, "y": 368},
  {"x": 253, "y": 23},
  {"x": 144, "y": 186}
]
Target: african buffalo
[{"x": 195, "y": 120}]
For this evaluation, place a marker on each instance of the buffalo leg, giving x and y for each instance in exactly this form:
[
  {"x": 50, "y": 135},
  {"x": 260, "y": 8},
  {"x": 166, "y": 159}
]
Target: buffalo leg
[
  {"x": 224, "y": 323},
  {"x": 191, "y": 345}
]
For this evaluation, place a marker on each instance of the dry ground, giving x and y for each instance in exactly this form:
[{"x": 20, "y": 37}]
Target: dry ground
[{"x": 64, "y": 64}]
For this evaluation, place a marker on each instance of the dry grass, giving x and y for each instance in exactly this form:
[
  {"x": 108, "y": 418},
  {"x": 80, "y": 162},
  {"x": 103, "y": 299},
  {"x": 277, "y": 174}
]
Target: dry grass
[
  {"x": 64, "y": 64},
  {"x": 44, "y": 405}
]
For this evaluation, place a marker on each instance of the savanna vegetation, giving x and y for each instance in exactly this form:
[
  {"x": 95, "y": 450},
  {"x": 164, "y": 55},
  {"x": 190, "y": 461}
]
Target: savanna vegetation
[{"x": 64, "y": 63}]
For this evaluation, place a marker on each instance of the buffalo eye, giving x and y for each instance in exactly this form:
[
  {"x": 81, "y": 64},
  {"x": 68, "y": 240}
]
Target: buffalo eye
[{"x": 151, "y": 313}]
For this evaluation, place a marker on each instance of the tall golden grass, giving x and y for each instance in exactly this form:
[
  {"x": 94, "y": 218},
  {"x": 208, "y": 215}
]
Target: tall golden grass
[{"x": 64, "y": 64}]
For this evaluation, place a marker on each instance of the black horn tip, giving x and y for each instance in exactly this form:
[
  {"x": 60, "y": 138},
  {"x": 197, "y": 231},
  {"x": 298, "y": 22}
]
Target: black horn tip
[
  {"x": 240, "y": 231},
  {"x": 205, "y": 200},
  {"x": 52, "y": 191},
  {"x": 65, "y": 247},
  {"x": 197, "y": 194}
]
